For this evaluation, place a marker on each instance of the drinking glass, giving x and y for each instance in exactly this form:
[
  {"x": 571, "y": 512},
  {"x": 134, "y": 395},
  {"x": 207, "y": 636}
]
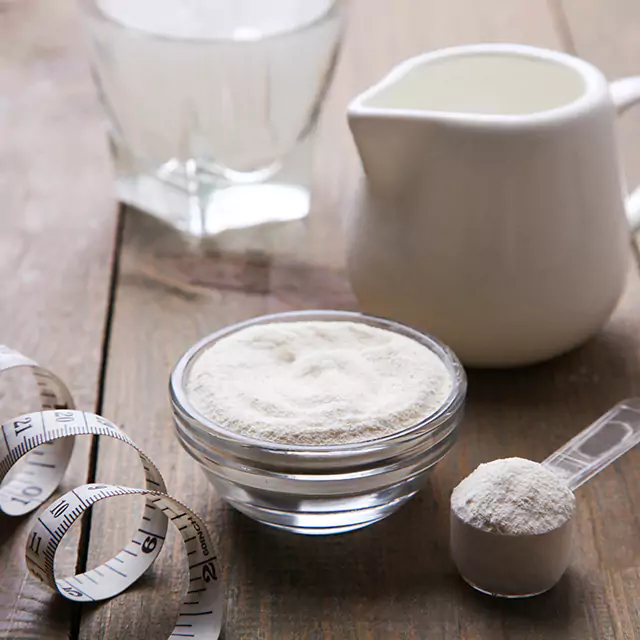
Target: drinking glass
[{"x": 212, "y": 103}]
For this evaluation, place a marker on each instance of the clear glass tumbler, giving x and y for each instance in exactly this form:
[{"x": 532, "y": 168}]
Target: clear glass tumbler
[{"x": 212, "y": 103}]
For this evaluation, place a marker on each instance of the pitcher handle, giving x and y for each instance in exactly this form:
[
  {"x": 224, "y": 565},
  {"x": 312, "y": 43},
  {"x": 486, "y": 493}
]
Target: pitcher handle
[{"x": 625, "y": 93}]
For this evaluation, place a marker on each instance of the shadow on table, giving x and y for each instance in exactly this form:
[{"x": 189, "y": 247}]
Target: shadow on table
[
  {"x": 555, "y": 606},
  {"x": 13, "y": 574},
  {"x": 532, "y": 411},
  {"x": 9, "y": 528},
  {"x": 396, "y": 573},
  {"x": 270, "y": 260}
]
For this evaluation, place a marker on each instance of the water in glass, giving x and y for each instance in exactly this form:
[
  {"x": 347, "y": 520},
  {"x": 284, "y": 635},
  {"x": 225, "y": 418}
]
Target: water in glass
[{"x": 212, "y": 103}]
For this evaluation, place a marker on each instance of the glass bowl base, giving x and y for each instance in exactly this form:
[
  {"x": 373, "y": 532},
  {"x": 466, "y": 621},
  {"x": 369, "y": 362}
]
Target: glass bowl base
[{"x": 321, "y": 523}]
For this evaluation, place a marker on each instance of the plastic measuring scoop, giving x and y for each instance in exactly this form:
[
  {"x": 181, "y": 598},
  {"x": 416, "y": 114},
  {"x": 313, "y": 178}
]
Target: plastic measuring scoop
[
  {"x": 521, "y": 565},
  {"x": 597, "y": 446}
]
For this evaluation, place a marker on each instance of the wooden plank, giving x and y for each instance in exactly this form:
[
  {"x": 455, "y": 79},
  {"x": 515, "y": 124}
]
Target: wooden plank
[
  {"x": 392, "y": 580},
  {"x": 56, "y": 245},
  {"x": 605, "y": 33}
]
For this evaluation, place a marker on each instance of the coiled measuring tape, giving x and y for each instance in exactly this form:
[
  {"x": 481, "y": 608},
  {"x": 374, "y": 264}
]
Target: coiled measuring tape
[{"x": 45, "y": 440}]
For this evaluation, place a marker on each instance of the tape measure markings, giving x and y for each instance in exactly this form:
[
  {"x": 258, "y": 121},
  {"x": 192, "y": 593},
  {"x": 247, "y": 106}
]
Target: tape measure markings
[{"x": 201, "y": 612}]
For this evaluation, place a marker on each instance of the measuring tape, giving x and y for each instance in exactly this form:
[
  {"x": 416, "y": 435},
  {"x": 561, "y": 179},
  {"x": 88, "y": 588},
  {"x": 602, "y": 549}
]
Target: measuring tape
[{"x": 45, "y": 439}]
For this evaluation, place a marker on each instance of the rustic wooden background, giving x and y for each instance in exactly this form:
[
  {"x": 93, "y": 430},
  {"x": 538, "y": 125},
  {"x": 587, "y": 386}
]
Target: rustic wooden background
[{"x": 110, "y": 299}]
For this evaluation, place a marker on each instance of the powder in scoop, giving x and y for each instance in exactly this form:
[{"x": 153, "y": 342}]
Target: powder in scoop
[
  {"x": 317, "y": 382},
  {"x": 513, "y": 496}
]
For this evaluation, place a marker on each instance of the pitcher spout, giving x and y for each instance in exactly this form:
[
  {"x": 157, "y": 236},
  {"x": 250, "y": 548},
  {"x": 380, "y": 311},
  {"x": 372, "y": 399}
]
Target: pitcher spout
[
  {"x": 389, "y": 131},
  {"x": 387, "y": 148}
]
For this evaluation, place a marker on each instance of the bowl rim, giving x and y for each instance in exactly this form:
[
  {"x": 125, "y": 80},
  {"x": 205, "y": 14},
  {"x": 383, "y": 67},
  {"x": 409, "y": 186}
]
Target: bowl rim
[{"x": 210, "y": 429}]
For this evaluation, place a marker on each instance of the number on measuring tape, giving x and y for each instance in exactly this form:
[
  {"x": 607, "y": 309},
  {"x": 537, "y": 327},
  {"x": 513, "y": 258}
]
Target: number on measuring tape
[
  {"x": 149, "y": 544},
  {"x": 74, "y": 593},
  {"x": 45, "y": 440},
  {"x": 59, "y": 508},
  {"x": 20, "y": 426},
  {"x": 34, "y": 545},
  {"x": 209, "y": 572}
]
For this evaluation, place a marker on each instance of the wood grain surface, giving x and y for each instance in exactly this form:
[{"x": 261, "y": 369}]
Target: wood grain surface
[
  {"x": 394, "y": 579},
  {"x": 57, "y": 235}
]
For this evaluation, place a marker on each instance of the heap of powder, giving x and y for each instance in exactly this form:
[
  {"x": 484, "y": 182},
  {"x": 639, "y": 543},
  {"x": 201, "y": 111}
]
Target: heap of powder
[
  {"x": 317, "y": 382},
  {"x": 513, "y": 496}
]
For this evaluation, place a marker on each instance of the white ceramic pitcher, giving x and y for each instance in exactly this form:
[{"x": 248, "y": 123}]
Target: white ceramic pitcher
[{"x": 492, "y": 211}]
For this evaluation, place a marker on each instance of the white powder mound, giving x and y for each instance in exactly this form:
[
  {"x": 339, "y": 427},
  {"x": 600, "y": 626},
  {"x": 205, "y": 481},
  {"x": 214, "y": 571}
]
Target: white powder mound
[
  {"x": 513, "y": 496},
  {"x": 317, "y": 382}
]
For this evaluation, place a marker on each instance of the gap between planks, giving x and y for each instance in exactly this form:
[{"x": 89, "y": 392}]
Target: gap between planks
[
  {"x": 562, "y": 26},
  {"x": 85, "y": 531}
]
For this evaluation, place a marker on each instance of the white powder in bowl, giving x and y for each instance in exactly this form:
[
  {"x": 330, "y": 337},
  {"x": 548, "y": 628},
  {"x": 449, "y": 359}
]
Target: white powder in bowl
[
  {"x": 317, "y": 382},
  {"x": 513, "y": 496}
]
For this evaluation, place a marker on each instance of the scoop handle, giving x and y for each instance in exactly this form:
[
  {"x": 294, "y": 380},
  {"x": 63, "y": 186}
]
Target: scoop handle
[{"x": 600, "y": 444}]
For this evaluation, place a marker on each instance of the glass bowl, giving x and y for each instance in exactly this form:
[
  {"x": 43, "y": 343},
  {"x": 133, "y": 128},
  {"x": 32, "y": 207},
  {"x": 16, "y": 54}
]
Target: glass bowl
[{"x": 318, "y": 489}]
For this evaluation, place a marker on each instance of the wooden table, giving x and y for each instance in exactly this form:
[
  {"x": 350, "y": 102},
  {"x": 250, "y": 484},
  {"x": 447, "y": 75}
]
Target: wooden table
[{"x": 109, "y": 299}]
